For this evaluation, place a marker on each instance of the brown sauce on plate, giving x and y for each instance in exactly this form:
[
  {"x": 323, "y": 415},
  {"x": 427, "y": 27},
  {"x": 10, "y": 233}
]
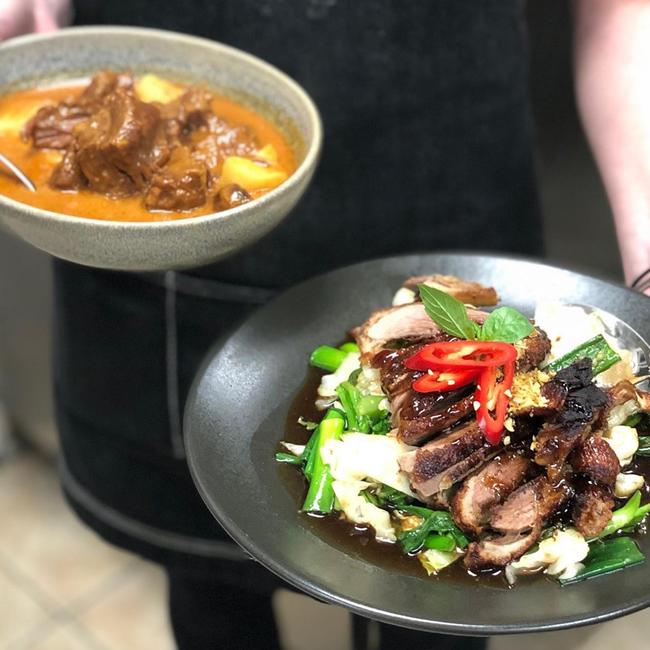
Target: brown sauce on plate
[{"x": 360, "y": 542}]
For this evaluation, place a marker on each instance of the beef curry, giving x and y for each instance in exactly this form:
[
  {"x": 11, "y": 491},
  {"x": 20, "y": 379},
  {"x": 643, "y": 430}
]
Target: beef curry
[{"x": 145, "y": 149}]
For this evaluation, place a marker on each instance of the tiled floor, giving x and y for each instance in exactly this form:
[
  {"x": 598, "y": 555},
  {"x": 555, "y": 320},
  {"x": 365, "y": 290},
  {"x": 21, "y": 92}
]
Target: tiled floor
[{"x": 62, "y": 588}]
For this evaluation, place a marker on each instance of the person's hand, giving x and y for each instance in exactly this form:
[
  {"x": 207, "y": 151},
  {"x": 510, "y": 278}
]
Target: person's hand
[{"x": 19, "y": 17}]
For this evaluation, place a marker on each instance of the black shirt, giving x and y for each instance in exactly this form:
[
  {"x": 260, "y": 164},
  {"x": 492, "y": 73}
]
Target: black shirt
[{"x": 427, "y": 147}]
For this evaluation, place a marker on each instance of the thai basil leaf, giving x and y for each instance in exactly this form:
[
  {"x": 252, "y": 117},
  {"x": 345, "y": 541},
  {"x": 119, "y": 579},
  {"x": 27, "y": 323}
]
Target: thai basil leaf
[
  {"x": 448, "y": 313},
  {"x": 506, "y": 324}
]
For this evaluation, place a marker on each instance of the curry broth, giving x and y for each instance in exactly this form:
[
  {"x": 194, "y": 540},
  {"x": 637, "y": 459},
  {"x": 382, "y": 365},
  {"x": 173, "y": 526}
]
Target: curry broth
[{"x": 18, "y": 107}]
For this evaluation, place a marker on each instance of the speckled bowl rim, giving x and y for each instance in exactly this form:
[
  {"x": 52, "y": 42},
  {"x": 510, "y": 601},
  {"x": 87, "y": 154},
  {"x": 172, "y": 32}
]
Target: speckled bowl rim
[{"x": 303, "y": 170}]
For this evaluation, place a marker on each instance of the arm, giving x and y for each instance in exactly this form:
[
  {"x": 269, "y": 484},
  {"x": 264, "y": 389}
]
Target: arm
[
  {"x": 25, "y": 16},
  {"x": 612, "y": 66}
]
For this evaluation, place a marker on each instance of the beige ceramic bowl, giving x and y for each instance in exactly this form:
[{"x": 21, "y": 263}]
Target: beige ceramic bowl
[{"x": 160, "y": 245}]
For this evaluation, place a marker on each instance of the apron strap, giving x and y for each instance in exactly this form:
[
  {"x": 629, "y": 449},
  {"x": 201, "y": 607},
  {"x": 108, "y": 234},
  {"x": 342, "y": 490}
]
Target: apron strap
[{"x": 208, "y": 289}]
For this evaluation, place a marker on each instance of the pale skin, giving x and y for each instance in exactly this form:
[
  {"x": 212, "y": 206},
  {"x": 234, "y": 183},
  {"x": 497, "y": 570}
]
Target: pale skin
[{"x": 612, "y": 69}]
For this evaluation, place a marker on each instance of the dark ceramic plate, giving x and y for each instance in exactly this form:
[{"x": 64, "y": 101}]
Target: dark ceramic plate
[{"x": 235, "y": 417}]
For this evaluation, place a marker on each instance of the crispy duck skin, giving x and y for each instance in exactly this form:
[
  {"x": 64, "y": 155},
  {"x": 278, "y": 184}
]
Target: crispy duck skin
[
  {"x": 532, "y": 350},
  {"x": 592, "y": 508},
  {"x": 445, "y": 411},
  {"x": 555, "y": 442},
  {"x": 519, "y": 521},
  {"x": 473, "y": 502},
  {"x": 583, "y": 406},
  {"x": 471, "y": 293},
  {"x": 446, "y": 460},
  {"x": 624, "y": 391},
  {"x": 595, "y": 459}
]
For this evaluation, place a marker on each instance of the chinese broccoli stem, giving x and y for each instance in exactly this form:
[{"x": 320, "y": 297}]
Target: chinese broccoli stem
[
  {"x": 327, "y": 358},
  {"x": 349, "y": 347},
  {"x": 624, "y": 516},
  {"x": 440, "y": 542},
  {"x": 606, "y": 557},
  {"x": 320, "y": 496},
  {"x": 596, "y": 349},
  {"x": 369, "y": 405}
]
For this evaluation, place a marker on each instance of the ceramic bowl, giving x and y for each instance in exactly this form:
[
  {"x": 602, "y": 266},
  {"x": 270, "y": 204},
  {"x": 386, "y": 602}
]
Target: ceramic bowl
[{"x": 161, "y": 245}]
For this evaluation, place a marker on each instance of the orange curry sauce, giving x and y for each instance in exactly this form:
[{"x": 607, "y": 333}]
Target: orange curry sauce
[{"x": 39, "y": 163}]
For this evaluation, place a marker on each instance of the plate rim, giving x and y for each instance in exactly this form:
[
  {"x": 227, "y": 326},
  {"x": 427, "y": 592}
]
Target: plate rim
[{"x": 333, "y": 597}]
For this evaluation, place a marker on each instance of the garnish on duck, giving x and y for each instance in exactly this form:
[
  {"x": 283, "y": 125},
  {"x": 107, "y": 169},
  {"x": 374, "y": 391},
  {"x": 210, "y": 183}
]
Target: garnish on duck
[{"x": 481, "y": 437}]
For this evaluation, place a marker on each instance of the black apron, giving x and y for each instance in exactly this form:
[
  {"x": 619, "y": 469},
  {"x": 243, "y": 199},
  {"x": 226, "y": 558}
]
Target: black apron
[{"x": 427, "y": 147}]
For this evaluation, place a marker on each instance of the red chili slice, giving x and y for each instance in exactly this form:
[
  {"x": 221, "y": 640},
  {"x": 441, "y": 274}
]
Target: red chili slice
[
  {"x": 490, "y": 393},
  {"x": 447, "y": 355},
  {"x": 462, "y": 362},
  {"x": 444, "y": 381}
]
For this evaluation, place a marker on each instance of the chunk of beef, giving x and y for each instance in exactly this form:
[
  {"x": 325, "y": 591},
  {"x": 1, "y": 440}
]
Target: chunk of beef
[
  {"x": 52, "y": 127},
  {"x": 180, "y": 185},
  {"x": 402, "y": 322},
  {"x": 102, "y": 85},
  {"x": 115, "y": 149},
  {"x": 187, "y": 113},
  {"x": 519, "y": 522},
  {"x": 423, "y": 415},
  {"x": 480, "y": 493},
  {"x": 231, "y": 196},
  {"x": 472, "y": 293},
  {"x": 446, "y": 460},
  {"x": 67, "y": 174},
  {"x": 595, "y": 459},
  {"x": 592, "y": 508},
  {"x": 231, "y": 140}
]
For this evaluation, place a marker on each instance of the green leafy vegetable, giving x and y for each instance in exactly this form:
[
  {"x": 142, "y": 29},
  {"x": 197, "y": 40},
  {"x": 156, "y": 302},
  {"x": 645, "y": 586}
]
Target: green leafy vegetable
[
  {"x": 644, "y": 446},
  {"x": 388, "y": 496},
  {"x": 383, "y": 425},
  {"x": 606, "y": 557},
  {"x": 434, "y": 521},
  {"x": 447, "y": 312},
  {"x": 506, "y": 324},
  {"x": 362, "y": 412},
  {"x": 503, "y": 324},
  {"x": 596, "y": 349}
]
